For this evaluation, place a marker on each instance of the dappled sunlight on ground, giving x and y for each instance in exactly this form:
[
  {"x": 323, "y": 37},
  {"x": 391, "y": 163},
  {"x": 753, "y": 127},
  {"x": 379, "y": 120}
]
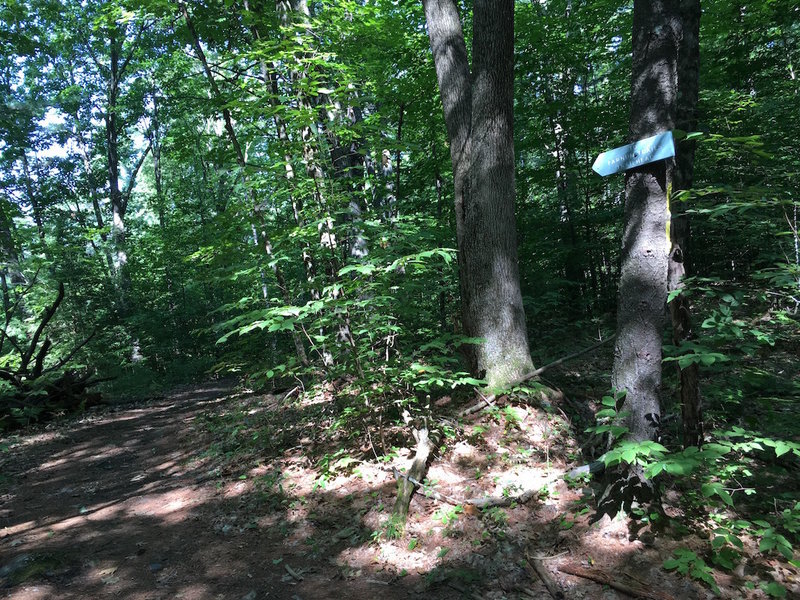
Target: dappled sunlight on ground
[{"x": 169, "y": 501}]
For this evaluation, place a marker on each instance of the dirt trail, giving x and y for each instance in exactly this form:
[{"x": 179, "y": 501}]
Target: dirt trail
[{"x": 118, "y": 505}]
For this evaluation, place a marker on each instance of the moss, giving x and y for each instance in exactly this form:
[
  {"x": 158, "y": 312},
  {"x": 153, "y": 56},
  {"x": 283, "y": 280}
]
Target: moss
[
  {"x": 37, "y": 566},
  {"x": 501, "y": 374}
]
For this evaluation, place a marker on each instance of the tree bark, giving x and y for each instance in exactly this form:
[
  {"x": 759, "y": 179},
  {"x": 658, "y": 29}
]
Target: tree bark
[
  {"x": 112, "y": 163},
  {"x": 645, "y": 244},
  {"x": 478, "y": 112},
  {"x": 494, "y": 310},
  {"x": 680, "y": 310}
]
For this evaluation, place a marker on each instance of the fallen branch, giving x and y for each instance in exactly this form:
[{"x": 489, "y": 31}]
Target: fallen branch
[
  {"x": 69, "y": 356},
  {"x": 535, "y": 564},
  {"x": 46, "y": 316},
  {"x": 478, "y": 503},
  {"x": 527, "y": 377},
  {"x": 292, "y": 573},
  {"x": 606, "y": 579}
]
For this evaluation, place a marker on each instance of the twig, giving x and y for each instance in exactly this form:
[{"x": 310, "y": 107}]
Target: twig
[
  {"x": 564, "y": 359},
  {"x": 291, "y": 392},
  {"x": 369, "y": 438},
  {"x": 485, "y": 403},
  {"x": 292, "y": 572},
  {"x": 479, "y": 503},
  {"x": 606, "y": 579},
  {"x": 555, "y": 556}
]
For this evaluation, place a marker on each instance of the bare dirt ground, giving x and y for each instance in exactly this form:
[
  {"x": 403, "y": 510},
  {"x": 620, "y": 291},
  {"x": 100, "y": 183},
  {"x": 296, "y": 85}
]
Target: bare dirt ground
[{"x": 215, "y": 494}]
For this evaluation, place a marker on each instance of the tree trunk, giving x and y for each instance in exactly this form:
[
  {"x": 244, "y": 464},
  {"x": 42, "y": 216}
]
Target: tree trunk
[
  {"x": 680, "y": 312},
  {"x": 478, "y": 113},
  {"x": 494, "y": 310},
  {"x": 112, "y": 165},
  {"x": 645, "y": 244}
]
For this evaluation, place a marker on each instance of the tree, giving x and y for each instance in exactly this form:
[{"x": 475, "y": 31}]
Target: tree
[
  {"x": 478, "y": 112},
  {"x": 686, "y": 119},
  {"x": 645, "y": 242}
]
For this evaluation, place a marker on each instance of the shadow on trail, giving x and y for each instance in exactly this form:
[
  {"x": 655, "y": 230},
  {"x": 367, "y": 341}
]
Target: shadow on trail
[
  {"x": 122, "y": 505},
  {"x": 128, "y": 504}
]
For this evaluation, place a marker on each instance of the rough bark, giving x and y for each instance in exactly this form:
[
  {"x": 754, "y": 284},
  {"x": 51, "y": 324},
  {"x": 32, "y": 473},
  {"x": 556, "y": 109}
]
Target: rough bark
[
  {"x": 478, "y": 111},
  {"x": 680, "y": 310},
  {"x": 645, "y": 244},
  {"x": 455, "y": 88},
  {"x": 494, "y": 310}
]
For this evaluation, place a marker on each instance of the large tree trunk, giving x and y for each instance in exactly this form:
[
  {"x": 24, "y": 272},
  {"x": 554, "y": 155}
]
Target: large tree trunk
[
  {"x": 645, "y": 244},
  {"x": 494, "y": 310},
  {"x": 478, "y": 113},
  {"x": 688, "y": 85}
]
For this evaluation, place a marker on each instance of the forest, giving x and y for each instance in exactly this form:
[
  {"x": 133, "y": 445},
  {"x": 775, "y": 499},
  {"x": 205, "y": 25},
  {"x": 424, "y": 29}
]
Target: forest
[{"x": 318, "y": 298}]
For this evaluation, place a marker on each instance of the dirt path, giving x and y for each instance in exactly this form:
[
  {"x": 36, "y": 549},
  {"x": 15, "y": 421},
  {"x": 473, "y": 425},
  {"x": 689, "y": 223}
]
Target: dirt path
[
  {"x": 118, "y": 505},
  {"x": 210, "y": 494}
]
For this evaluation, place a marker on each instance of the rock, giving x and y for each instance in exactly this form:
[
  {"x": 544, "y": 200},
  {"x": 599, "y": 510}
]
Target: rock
[{"x": 251, "y": 595}]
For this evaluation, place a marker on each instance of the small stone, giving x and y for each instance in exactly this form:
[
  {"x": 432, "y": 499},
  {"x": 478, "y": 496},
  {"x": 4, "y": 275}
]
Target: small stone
[
  {"x": 155, "y": 567},
  {"x": 251, "y": 595}
]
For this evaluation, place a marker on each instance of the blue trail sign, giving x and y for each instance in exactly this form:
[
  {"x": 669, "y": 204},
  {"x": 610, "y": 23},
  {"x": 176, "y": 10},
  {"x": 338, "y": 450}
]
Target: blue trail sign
[{"x": 640, "y": 153}]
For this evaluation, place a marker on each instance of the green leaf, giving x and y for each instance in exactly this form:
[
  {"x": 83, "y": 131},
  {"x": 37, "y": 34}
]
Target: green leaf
[
  {"x": 671, "y": 563},
  {"x": 775, "y": 590}
]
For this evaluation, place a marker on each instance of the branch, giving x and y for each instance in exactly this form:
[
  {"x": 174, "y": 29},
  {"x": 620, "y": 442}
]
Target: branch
[
  {"x": 48, "y": 314},
  {"x": 39, "y": 363},
  {"x": 126, "y": 195},
  {"x": 564, "y": 359},
  {"x": 201, "y": 56},
  {"x": 20, "y": 296},
  {"x": 69, "y": 356},
  {"x": 7, "y": 375},
  {"x": 535, "y": 564},
  {"x": 6, "y": 336},
  {"x": 606, "y": 579},
  {"x": 121, "y": 70},
  {"x": 487, "y": 401}
]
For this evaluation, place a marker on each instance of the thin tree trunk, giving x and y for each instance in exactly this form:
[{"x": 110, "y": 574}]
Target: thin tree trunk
[
  {"x": 112, "y": 166},
  {"x": 37, "y": 209},
  {"x": 240, "y": 159},
  {"x": 680, "y": 312}
]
